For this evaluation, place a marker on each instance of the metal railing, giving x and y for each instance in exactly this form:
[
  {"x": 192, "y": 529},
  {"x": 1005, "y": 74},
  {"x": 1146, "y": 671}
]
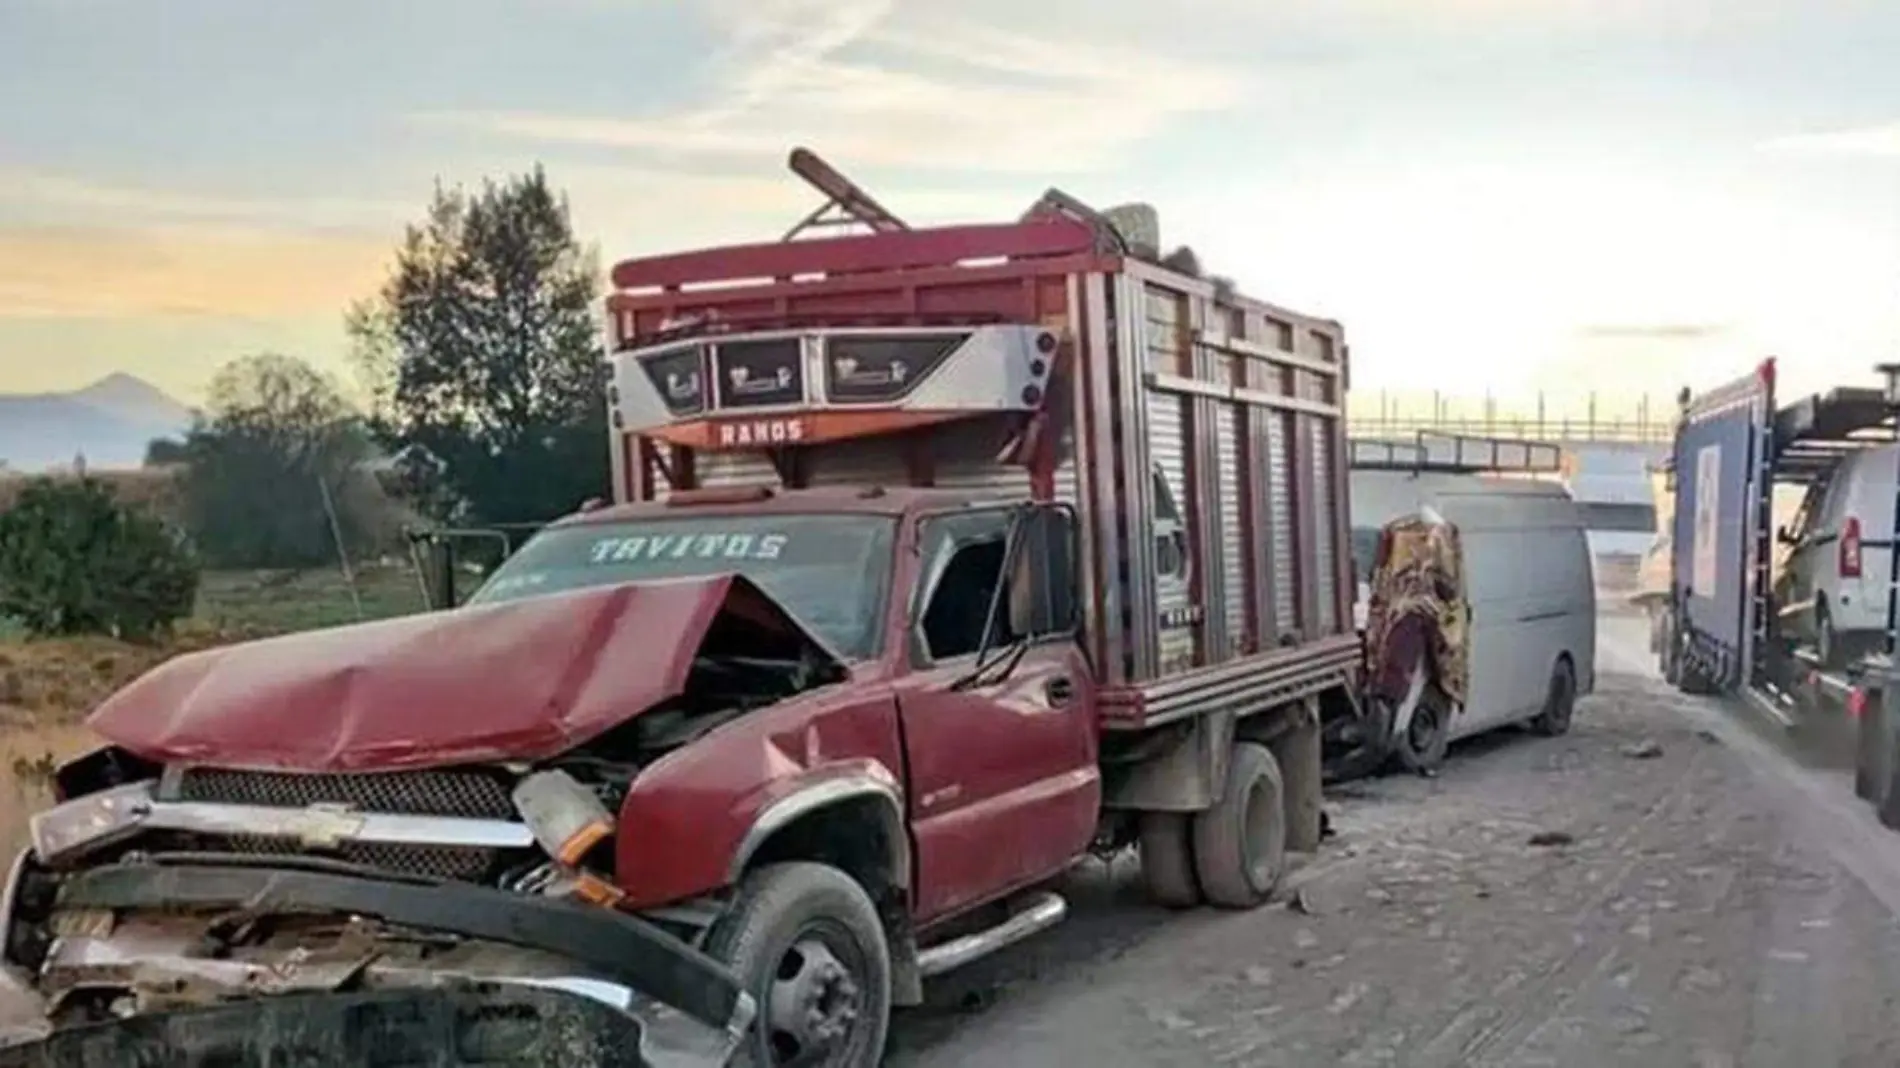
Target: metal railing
[{"x": 1642, "y": 430}]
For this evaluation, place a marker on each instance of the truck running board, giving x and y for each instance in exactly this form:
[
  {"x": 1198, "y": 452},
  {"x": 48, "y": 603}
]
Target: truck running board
[{"x": 1039, "y": 913}]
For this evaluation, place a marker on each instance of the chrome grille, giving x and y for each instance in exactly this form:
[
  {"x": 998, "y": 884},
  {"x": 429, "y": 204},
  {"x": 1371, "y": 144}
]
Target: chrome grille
[
  {"x": 467, "y": 794},
  {"x": 439, "y": 862}
]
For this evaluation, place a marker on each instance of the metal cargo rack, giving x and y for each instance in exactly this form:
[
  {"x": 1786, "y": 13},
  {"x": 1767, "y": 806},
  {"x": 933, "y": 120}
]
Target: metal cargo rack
[
  {"x": 1812, "y": 434},
  {"x": 1442, "y": 453}
]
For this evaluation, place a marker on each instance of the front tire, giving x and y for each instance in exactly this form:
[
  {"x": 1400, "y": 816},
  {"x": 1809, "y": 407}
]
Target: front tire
[
  {"x": 806, "y": 941},
  {"x": 1671, "y": 655},
  {"x": 1560, "y": 701},
  {"x": 1421, "y": 749},
  {"x": 1827, "y": 644},
  {"x": 1240, "y": 843}
]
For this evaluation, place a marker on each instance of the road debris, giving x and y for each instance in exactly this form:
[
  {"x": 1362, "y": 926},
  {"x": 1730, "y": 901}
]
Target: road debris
[{"x": 1672, "y": 927}]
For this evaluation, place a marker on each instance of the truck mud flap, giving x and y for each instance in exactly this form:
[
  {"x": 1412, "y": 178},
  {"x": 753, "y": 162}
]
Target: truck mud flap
[{"x": 472, "y": 1027}]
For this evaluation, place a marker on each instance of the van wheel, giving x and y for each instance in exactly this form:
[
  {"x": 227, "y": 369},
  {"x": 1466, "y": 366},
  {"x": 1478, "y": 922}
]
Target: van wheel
[
  {"x": 1167, "y": 860},
  {"x": 1421, "y": 749},
  {"x": 1240, "y": 843},
  {"x": 806, "y": 943},
  {"x": 1560, "y": 701}
]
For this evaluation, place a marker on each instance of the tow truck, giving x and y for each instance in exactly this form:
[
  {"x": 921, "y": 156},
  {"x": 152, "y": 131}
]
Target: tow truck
[{"x": 1723, "y": 624}]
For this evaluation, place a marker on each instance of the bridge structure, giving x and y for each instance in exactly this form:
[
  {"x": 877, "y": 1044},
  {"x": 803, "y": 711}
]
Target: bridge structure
[{"x": 1609, "y": 465}]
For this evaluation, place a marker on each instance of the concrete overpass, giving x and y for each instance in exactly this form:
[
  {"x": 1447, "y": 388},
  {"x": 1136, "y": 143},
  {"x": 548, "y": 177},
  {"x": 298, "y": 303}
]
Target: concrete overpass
[{"x": 1608, "y": 468}]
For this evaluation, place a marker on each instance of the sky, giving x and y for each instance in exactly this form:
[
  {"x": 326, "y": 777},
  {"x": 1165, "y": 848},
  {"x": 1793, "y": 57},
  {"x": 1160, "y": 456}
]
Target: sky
[{"x": 1494, "y": 196}]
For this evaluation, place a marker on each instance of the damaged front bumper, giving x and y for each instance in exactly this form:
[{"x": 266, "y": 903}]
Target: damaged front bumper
[
  {"x": 492, "y": 1026},
  {"x": 270, "y": 961}
]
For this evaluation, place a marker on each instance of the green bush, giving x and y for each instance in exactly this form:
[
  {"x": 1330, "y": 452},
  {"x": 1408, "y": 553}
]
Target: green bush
[{"x": 74, "y": 560}]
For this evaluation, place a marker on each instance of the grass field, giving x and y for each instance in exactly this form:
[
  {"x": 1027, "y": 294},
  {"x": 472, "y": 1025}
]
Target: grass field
[
  {"x": 280, "y": 603},
  {"x": 48, "y": 687}
]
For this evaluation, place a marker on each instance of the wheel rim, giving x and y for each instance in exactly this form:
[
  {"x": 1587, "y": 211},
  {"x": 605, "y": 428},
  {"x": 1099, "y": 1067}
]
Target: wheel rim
[{"x": 815, "y": 1012}]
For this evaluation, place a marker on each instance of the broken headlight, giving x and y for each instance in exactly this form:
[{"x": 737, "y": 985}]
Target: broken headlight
[{"x": 90, "y": 821}]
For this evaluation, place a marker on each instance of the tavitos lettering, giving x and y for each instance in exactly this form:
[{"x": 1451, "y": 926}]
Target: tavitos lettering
[{"x": 708, "y": 546}]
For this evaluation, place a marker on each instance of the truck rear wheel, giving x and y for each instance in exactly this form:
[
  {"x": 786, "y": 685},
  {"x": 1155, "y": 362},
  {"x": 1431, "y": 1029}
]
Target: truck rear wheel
[
  {"x": 1167, "y": 860},
  {"x": 1240, "y": 843},
  {"x": 1690, "y": 678},
  {"x": 806, "y": 941}
]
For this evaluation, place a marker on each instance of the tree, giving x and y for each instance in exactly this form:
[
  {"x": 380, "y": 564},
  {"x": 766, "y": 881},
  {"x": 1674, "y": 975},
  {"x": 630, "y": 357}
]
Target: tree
[
  {"x": 483, "y": 348},
  {"x": 277, "y": 454},
  {"x": 75, "y": 560}
]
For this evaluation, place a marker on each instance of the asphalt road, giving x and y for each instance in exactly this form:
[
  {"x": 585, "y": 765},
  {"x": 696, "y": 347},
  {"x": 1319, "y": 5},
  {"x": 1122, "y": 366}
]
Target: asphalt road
[{"x": 1708, "y": 894}]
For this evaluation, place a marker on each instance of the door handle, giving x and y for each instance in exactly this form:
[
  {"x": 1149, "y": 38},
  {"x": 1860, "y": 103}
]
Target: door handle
[{"x": 1059, "y": 690}]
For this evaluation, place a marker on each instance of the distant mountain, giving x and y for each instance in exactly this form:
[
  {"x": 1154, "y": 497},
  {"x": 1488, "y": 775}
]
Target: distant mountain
[{"x": 109, "y": 423}]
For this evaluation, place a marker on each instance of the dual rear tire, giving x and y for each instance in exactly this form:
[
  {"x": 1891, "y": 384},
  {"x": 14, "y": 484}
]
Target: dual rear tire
[{"x": 1232, "y": 855}]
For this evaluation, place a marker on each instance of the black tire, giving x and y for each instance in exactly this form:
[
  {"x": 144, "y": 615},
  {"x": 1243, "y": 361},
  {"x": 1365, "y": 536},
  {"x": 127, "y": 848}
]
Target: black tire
[
  {"x": 1827, "y": 644},
  {"x": 1421, "y": 749},
  {"x": 1560, "y": 700},
  {"x": 1690, "y": 679},
  {"x": 1167, "y": 860},
  {"x": 1671, "y": 651},
  {"x": 1240, "y": 843},
  {"x": 1887, "y": 800},
  {"x": 817, "y": 921},
  {"x": 1867, "y": 757}
]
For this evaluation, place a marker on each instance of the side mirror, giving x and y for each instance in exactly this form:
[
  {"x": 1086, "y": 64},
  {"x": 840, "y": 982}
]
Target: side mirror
[{"x": 1042, "y": 593}]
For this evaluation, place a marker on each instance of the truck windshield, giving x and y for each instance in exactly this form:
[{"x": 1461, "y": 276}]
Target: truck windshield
[{"x": 828, "y": 571}]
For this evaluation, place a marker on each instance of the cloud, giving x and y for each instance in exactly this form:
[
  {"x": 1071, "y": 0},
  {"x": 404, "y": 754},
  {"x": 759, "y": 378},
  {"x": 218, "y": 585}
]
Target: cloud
[
  {"x": 1653, "y": 331},
  {"x": 1878, "y": 141},
  {"x": 38, "y": 190},
  {"x": 874, "y": 86},
  {"x": 48, "y": 271}
]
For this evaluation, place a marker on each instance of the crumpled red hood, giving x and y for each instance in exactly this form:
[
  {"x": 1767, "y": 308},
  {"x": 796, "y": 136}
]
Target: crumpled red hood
[{"x": 523, "y": 680}]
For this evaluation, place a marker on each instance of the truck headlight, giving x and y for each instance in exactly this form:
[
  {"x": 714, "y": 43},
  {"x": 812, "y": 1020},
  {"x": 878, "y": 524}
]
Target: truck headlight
[
  {"x": 90, "y": 821},
  {"x": 564, "y": 816}
]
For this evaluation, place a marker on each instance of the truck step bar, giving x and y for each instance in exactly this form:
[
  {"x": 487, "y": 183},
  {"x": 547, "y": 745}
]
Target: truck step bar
[{"x": 1039, "y": 913}]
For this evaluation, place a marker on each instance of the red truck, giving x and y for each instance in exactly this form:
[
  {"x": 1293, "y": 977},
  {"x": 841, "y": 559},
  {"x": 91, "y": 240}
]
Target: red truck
[{"x": 936, "y": 560}]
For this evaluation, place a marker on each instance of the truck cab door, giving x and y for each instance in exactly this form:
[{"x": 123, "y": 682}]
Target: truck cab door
[{"x": 999, "y": 732}]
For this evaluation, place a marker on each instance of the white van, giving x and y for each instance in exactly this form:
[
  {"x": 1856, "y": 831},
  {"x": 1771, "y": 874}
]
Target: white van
[
  {"x": 1833, "y": 588},
  {"x": 1528, "y": 582}
]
